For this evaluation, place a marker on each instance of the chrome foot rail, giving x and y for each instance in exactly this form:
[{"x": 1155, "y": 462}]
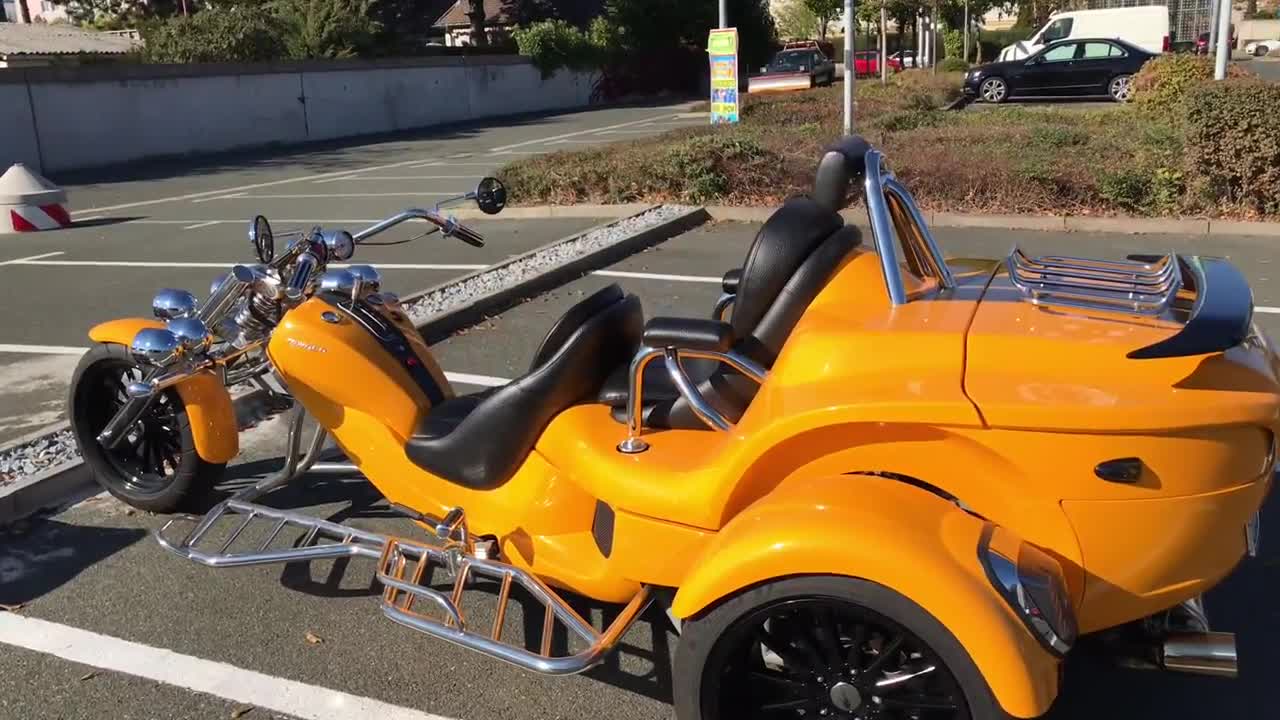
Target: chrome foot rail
[
  {"x": 404, "y": 564},
  {"x": 343, "y": 541}
]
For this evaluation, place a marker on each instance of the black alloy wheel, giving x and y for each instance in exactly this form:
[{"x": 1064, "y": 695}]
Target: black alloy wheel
[{"x": 826, "y": 647}]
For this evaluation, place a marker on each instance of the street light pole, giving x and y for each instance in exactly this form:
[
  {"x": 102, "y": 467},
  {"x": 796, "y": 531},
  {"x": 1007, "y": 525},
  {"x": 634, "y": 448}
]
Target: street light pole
[
  {"x": 1214, "y": 6},
  {"x": 849, "y": 71},
  {"x": 724, "y": 13},
  {"x": 884, "y": 44},
  {"x": 1224, "y": 45},
  {"x": 965, "y": 53}
]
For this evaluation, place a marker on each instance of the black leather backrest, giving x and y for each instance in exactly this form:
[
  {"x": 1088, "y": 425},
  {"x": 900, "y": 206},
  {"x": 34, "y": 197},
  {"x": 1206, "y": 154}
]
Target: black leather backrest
[
  {"x": 787, "y": 238},
  {"x": 766, "y": 340},
  {"x": 573, "y": 319},
  {"x": 839, "y": 171}
]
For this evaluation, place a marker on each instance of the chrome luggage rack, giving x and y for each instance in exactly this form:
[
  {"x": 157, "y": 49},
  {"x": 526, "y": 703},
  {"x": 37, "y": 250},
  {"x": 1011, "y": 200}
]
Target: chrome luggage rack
[
  {"x": 1137, "y": 286},
  {"x": 402, "y": 567}
]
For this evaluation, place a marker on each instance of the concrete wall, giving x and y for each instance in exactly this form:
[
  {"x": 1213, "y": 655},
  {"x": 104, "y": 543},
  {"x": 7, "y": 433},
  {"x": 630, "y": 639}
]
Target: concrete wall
[
  {"x": 18, "y": 142},
  {"x": 1249, "y": 30},
  {"x": 100, "y": 116}
]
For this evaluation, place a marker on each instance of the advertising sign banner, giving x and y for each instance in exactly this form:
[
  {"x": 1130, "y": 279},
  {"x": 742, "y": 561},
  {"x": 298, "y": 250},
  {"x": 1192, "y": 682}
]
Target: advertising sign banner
[{"x": 722, "y": 48}]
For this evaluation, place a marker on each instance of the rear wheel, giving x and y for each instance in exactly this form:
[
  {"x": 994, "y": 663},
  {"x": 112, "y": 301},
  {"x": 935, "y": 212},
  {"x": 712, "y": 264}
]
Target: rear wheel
[
  {"x": 994, "y": 90},
  {"x": 1260, "y": 51},
  {"x": 155, "y": 467},
  {"x": 825, "y": 647},
  {"x": 1121, "y": 88}
]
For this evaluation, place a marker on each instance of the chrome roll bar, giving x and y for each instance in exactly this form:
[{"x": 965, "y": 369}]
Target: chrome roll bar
[{"x": 893, "y": 241}]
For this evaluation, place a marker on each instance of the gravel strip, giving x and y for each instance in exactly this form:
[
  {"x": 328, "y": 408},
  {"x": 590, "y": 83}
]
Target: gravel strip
[
  {"x": 514, "y": 272},
  {"x": 37, "y": 455}
]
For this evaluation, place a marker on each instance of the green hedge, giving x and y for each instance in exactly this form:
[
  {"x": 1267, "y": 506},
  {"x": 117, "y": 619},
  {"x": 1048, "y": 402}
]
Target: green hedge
[{"x": 1233, "y": 142}]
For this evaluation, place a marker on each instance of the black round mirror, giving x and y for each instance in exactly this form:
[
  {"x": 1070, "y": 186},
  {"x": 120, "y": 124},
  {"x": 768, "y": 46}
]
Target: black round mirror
[
  {"x": 491, "y": 196},
  {"x": 263, "y": 241}
]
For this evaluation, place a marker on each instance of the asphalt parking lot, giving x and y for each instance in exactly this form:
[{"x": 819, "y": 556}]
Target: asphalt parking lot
[{"x": 313, "y": 633}]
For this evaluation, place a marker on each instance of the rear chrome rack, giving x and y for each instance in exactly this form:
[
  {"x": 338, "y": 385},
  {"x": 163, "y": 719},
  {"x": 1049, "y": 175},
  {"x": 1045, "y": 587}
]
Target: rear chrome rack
[
  {"x": 1134, "y": 286},
  {"x": 402, "y": 567}
]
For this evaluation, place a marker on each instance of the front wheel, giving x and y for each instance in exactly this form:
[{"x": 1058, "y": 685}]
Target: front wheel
[
  {"x": 994, "y": 90},
  {"x": 1121, "y": 88},
  {"x": 155, "y": 467},
  {"x": 825, "y": 647}
]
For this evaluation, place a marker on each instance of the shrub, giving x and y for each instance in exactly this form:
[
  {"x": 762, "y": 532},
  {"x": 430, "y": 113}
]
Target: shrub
[
  {"x": 1233, "y": 142},
  {"x": 233, "y": 34},
  {"x": 1162, "y": 83},
  {"x": 909, "y": 120},
  {"x": 1059, "y": 136},
  {"x": 326, "y": 28},
  {"x": 555, "y": 44},
  {"x": 953, "y": 63}
]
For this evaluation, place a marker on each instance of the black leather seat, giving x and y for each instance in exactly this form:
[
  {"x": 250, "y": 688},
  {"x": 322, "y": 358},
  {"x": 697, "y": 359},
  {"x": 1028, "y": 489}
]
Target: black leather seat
[
  {"x": 480, "y": 440},
  {"x": 792, "y": 258}
]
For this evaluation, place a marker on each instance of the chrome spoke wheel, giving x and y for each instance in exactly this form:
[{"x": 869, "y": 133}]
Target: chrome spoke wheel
[
  {"x": 994, "y": 90},
  {"x": 829, "y": 658},
  {"x": 1121, "y": 89}
]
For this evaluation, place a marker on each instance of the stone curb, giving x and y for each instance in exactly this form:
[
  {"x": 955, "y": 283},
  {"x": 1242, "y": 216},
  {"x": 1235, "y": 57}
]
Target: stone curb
[
  {"x": 1075, "y": 223},
  {"x": 439, "y": 326},
  {"x": 50, "y": 487}
]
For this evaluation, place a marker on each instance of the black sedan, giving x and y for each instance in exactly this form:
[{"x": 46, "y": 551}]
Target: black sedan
[{"x": 1077, "y": 67}]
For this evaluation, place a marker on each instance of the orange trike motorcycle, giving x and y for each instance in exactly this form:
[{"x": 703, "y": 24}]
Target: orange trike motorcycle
[{"x": 877, "y": 482}]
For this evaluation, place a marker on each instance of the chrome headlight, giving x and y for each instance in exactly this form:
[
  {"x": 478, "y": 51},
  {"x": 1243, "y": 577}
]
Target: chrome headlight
[
  {"x": 339, "y": 281},
  {"x": 191, "y": 333},
  {"x": 1033, "y": 585},
  {"x": 370, "y": 279},
  {"x": 154, "y": 346},
  {"x": 340, "y": 244},
  {"x": 170, "y": 303}
]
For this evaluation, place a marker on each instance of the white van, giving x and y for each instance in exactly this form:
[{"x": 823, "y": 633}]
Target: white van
[{"x": 1146, "y": 26}]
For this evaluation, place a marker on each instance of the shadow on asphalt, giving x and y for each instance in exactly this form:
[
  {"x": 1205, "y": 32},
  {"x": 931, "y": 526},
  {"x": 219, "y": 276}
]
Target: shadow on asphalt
[
  {"x": 318, "y": 155},
  {"x": 48, "y": 554},
  {"x": 99, "y": 222}
]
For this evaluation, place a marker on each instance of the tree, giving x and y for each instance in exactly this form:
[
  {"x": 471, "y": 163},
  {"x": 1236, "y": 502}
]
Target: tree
[
  {"x": 825, "y": 11},
  {"x": 24, "y": 12},
  {"x": 528, "y": 12},
  {"x": 795, "y": 20},
  {"x": 232, "y": 34},
  {"x": 475, "y": 13},
  {"x": 325, "y": 28}
]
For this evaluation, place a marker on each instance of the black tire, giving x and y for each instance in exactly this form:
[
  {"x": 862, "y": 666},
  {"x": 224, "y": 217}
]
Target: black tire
[
  {"x": 1120, "y": 88},
  {"x": 163, "y": 441},
  {"x": 1260, "y": 51},
  {"x": 709, "y": 646},
  {"x": 989, "y": 93}
]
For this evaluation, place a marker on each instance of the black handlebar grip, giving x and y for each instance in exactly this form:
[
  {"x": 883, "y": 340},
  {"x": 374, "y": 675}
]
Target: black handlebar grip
[{"x": 468, "y": 236}]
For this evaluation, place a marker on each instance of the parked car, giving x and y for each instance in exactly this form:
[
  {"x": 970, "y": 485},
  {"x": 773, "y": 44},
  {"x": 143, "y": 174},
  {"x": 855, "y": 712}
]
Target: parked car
[
  {"x": 1259, "y": 48},
  {"x": 1146, "y": 27},
  {"x": 1202, "y": 42},
  {"x": 902, "y": 59},
  {"x": 797, "y": 69},
  {"x": 866, "y": 62},
  {"x": 1077, "y": 67}
]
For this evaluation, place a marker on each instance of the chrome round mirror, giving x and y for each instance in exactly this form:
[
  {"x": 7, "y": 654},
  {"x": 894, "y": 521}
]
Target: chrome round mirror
[
  {"x": 491, "y": 196},
  {"x": 370, "y": 279},
  {"x": 339, "y": 281},
  {"x": 191, "y": 333},
  {"x": 170, "y": 303},
  {"x": 262, "y": 239},
  {"x": 340, "y": 243},
  {"x": 154, "y": 346}
]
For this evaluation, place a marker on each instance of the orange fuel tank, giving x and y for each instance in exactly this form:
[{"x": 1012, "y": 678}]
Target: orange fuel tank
[{"x": 341, "y": 359}]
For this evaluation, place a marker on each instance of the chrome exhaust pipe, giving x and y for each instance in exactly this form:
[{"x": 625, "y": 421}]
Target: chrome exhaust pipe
[{"x": 1200, "y": 653}]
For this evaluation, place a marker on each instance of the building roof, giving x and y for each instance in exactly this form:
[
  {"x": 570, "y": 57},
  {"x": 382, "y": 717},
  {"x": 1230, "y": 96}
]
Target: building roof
[
  {"x": 578, "y": 12},
  {"x": 42, "y": 39}
]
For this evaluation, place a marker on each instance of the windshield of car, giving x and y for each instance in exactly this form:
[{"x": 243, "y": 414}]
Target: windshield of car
[
  {"x": 1056, "y": 30},
  {"x": 792, "y": 60}
]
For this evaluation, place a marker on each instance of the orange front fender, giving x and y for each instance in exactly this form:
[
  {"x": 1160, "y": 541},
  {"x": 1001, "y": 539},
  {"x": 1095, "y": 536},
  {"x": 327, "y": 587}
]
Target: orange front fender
[
  {"x": 890, "y": 533},
  {"x": 208, "y": 404}
]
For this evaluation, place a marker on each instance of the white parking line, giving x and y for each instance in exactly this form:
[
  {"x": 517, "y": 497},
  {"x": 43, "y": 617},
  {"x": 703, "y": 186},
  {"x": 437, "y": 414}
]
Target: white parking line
[
  {"x": 304, "y": 196},
  {"x": 29, "y": 258},
  {"x": 220, "y": 197},
  {"x": 1268, "y": 310},
  {"x": 461, "y": 378},
  {"x": 658, "y": 276},
  {"x": 540, "y": 141},
  {"x": 207, "y": 223},
  {"x": 437, "y": 163},
  {"x": 401, "y": 177},
  {"x": 180, "y": 265},
  {"x": 197, "y": 674}
]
